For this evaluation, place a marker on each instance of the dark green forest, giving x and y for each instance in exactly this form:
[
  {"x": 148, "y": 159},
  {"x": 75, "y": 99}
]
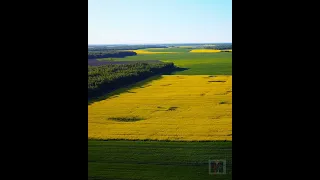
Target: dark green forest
[
  {"x": 106, "y": 78},
  {"x": 110, "y": 54}
]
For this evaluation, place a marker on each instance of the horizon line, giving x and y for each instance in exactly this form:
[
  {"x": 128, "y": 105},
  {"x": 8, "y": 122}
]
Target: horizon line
[{"x": 155, "y": 43}]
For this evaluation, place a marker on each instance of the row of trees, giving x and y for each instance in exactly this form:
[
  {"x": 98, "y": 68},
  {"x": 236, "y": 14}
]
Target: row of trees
[
  {"x": 110, "y": 54},
  {"x": 122, "y": 47},
  {"x": 106, "y": 78},
  {"x": 222, "y": 46}
]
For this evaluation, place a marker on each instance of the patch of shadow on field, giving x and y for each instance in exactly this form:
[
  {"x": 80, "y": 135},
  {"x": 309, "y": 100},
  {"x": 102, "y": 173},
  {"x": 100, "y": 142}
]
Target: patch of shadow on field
[
  {"x": 159, "y": 108},
  {"x": 217, "y": 81},
  {"x": 126, "y": 119},
  {"x": 127, "y": 89},
  {"x": 209, "y": 77},
  {"x": 225, "y": 93},
  {"x": 172, "y": 108},
  {"x": 166, "y": 85},
  {"x": 224, "y": 102}
]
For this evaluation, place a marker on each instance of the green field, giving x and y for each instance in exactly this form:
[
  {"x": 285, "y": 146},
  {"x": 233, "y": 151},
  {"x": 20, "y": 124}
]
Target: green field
[
  {"x": 153, "y": 160},
  {"x": 198, "y": 63}
]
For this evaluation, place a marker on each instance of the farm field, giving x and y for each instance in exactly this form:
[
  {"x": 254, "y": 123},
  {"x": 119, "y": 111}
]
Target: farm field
[
  {"x": 156, "y": 160},
  {"x": 205, "y": 51},
  {"x": 171, "y": 49},
  {"x": 197, "y": 63},
  {"x": 160, "y": 90},
  {"x": 146, "y": 51},
  {"x": 187, "y": 47},
  {"x": 185, "y": 119},
  {"x": 171, "y": 107}
]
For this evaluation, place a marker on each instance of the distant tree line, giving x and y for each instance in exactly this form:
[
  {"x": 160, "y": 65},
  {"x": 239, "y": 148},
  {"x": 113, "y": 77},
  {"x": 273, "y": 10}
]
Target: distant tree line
[
  {"x": 217, "y": 46},
  {"x": 123, "y": 47},
  {"x": 110, "y": 54},
  {"x": 106, "y": 78}
]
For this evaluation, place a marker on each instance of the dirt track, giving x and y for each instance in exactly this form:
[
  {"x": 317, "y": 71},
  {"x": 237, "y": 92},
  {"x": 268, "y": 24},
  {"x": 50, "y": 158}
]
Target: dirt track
[{"x": 95, "y": 62}]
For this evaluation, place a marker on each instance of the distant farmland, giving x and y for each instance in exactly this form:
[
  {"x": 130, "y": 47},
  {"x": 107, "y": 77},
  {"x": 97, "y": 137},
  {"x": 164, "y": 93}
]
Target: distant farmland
[
  {"x": 196, "y": 63},
  {"x": 205, "y": 51}
]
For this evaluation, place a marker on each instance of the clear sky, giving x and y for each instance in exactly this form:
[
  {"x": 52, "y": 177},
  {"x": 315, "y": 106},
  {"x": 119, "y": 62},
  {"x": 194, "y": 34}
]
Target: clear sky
[{"x": 159, "y": 21}]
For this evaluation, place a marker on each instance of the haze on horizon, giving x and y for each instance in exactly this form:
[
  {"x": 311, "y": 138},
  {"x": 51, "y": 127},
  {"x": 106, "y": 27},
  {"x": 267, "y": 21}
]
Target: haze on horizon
[{"x": 159, "y": 21}]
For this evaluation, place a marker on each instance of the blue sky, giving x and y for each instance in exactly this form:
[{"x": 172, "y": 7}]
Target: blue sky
[{"x": 159, "y": 21}]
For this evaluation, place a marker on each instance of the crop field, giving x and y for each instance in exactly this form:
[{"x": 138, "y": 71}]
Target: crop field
[
  {"x": 156, "y": 160},
  {"x": 171, "y": 49},
  {"x": 205, "y": 51},
  {"x": 146, "y": 51},
  {"x": 173, "y": 107},
  {"x": 197, "y": 63},
  {"x": 167, "y": 126},
  {"x": 188, "y": 47}
]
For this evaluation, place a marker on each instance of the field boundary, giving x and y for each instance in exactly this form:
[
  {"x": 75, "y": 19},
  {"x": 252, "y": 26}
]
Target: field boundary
[{"x": 148, "y": 140}]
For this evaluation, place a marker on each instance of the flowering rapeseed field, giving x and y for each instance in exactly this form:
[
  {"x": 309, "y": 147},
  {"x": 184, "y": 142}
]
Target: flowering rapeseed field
[
  {"x": 174, "y": 107},
  {"x": 150, "y": 52}
]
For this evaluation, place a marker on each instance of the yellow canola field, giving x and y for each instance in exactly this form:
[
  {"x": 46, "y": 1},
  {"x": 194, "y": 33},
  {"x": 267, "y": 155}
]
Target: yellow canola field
[
  {"x": 205, "y": 51},
  {"x": 173, "y": 107},
  {"x": 149, "y": 52}
]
